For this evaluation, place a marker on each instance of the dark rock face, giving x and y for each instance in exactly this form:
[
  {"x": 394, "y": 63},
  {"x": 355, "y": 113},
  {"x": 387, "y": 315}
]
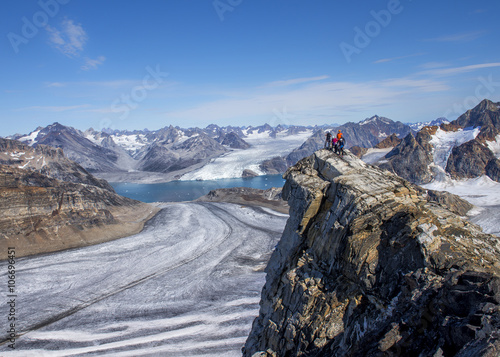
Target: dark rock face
[
  {"x": 233, "y": 141},
  {"x": 474, "y": 158},
  {"x": 492, "y": 170},
  {"x": 469, "y": 160},
  {"x": 367, "y": 266},
  {"x": 411, "y": 158},
  {"x": 389, "y": 142},
  {"x": 274, "y": 166}
]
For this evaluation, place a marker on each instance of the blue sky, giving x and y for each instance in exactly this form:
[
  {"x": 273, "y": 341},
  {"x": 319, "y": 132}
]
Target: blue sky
[{"x": 152, "y": 63}]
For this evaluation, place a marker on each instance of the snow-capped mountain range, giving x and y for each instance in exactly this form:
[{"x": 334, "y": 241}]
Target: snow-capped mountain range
[
  {"x": 461, "y": 157},
  {"x": 200, "y": 154},
  {"x": 210, "y": 153}
]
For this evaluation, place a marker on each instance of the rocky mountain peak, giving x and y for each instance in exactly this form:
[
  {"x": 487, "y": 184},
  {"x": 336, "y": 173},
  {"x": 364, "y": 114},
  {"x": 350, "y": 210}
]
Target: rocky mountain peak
[
  {"x": 411, "y": 158},
  {"x": 367, "y": 266},
  {"x": 233, "y": 141},
  {"x": 484, "y": 114},
  {"x": 389, "y": 142}
]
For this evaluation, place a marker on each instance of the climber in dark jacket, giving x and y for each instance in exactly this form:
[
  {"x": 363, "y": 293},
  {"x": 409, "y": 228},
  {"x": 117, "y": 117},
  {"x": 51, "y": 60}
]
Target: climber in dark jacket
[{"x": 328, "y": 141}]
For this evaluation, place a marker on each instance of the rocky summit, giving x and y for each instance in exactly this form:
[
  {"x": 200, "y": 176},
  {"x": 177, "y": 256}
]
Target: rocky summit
[{"x": 369, "y": 265}]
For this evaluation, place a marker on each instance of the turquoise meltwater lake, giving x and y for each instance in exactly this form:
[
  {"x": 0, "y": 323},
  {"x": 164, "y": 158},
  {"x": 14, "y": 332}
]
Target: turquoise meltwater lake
[{"x": 177, "y": 191}]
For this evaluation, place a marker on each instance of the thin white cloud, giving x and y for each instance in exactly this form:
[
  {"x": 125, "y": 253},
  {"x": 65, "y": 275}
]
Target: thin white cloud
[
  {"x": 289, "y": 82},
  {"x": 55, "y": 85},
  {"x": 54, "y": 108},
  {"x": 92, "y": 63},
  {"x": 460, "y": 37},
  {"x": 69, "y": 39},
  {"x": 383, "y": 60},
  {"x": 320, "y": 99},
  {"x": 432, "y": 65},
  {"x": 422, "y": 85},
  {"x": 119, "y": 83},
  {"x": 459, "y": 70}
]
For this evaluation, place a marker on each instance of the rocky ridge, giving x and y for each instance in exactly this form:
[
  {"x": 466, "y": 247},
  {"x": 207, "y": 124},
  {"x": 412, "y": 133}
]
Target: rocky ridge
[
  {"x": 48, "y": 161},
  {"x": 413, "y": 158},
  {"x": 50, "y": 203},
  {"x": 368, "y": 266},
  {"x": 40, "y": 214}
]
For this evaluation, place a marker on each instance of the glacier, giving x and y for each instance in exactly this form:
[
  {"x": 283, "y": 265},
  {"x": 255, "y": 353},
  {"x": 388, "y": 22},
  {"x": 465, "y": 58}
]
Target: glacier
[
  {"x": 188, "y": 285},
  {"x": 263, "y": 147}
]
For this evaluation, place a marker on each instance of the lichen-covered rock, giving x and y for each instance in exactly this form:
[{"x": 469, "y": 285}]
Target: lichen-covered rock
[{"x": 367, "y": 266}]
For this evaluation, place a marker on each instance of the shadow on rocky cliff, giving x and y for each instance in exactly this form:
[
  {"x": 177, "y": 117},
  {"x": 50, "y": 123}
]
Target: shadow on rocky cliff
[{"x": 369, "y": 266}]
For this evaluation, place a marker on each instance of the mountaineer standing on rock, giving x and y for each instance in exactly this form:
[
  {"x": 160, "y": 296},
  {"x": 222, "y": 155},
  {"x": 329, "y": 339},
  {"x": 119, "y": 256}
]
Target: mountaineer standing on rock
[
  {"x": 328, "y": 141},
  {"x": 339, "y": 143},
  {"x": 340, "y": 146}
]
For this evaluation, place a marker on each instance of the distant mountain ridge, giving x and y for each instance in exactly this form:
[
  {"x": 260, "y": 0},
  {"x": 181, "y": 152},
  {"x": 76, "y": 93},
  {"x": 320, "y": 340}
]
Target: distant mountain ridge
[
  {"x": 172, "y": 151},
  {"x": 464, "y": 148}
]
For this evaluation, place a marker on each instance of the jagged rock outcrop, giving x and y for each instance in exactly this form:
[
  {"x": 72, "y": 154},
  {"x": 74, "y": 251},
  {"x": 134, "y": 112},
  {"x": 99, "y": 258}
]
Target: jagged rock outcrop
[
  {"x": 492, "y": 170},
  {"x": 412, "y": 157},
  {"x": 485, "y": 115},
  {"x": 474, "y": 158},
  {"x": 413, "y": 160},
  {"x": 367, "y": 266}
]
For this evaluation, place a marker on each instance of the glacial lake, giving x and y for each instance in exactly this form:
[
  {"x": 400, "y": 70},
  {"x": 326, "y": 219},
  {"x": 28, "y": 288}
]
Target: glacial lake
[{"x": 178, "y": 191}]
